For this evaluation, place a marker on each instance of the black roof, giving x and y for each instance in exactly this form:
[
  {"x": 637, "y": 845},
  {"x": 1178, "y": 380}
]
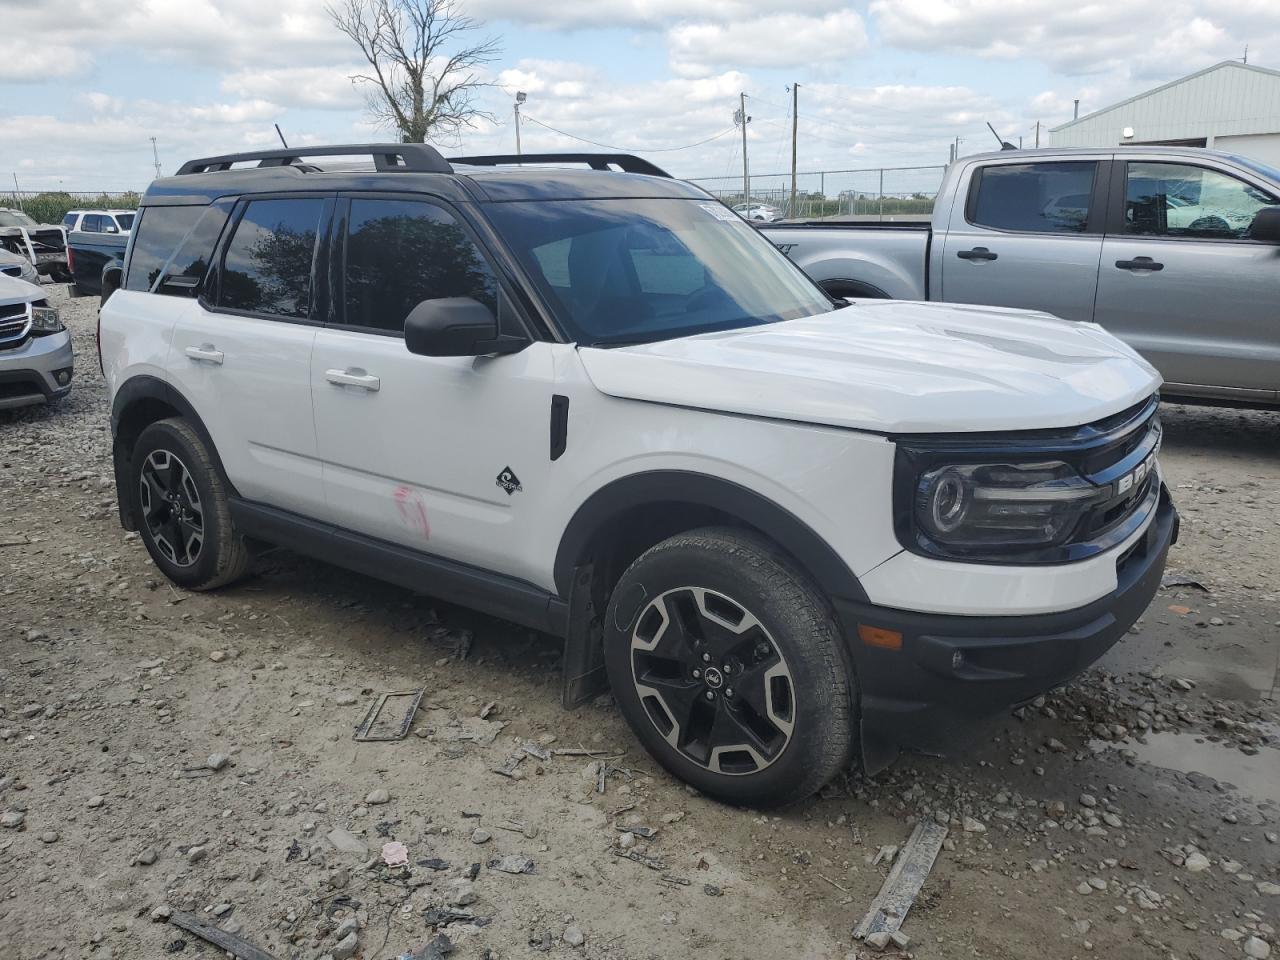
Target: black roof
[{"x": 412, "y": 168}]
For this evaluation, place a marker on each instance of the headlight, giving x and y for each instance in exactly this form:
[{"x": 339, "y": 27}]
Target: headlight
[
  {"x": 980, "y": 507},
  {"x": 45, "y": 320}
]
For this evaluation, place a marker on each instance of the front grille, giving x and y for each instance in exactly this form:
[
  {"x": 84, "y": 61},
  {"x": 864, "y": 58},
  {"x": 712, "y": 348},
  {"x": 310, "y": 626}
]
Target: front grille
[
  {"x": 12, "y": 310},
  {"x": 14, "y": 330}
]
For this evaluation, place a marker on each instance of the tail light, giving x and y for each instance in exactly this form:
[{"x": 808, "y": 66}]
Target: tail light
[{"x": 71, "y": 260}]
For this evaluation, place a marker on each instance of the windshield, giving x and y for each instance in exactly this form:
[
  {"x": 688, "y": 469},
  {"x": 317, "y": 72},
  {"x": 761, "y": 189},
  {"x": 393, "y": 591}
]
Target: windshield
[
  {"x": 125, "y": 220},
  {"x": 10, "y": 218},
  {"x": 636, "y": 271}
]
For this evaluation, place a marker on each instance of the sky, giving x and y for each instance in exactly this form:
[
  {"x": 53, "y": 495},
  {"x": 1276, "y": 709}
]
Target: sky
[{"x": 85, "y": 85}]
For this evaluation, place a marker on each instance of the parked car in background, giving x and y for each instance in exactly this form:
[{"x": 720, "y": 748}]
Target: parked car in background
[
  {"x": 44, "y": 245},
  {"x": 758, "y": 211},
  {"x": 95, "y": 261},
  {"x": 1174, "y": 250},
  {"x": 788, "y": 532},
  {"x": 13, "y": 265},
  {"x": 36, "y": 360},
  {"x": 99, "y": 221}
]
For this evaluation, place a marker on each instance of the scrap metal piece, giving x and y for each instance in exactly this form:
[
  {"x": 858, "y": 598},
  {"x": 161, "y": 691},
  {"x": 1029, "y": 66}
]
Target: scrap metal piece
[
  {"x": 229, "y": 942},
  {"x": 903, "y": 884},
  {"x": 371, "y": 717}
]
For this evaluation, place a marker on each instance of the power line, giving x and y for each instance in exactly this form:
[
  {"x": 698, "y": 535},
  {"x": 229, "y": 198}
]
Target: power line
[{"x": 609, "y": 146}]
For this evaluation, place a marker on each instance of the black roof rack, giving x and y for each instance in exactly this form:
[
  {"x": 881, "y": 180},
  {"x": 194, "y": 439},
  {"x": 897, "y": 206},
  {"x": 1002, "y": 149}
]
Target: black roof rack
[
  {"x": 597, "y": 161},
  {"x": 387, "y": 157}
]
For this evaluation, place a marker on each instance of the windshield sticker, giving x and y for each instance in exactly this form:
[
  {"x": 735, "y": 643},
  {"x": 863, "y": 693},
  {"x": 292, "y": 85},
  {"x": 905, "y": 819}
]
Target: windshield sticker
[{"x": 719, "y": 211}]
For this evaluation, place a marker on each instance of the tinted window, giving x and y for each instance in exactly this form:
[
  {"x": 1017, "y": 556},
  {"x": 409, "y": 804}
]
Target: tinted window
[
  {"x": 1034, "y": 197},
  {"x": 92, "y": 223},
  {"x": 186, "y": 270},
  {"x": 626, "y": 271},
  {"x": 69, "y": 221},
  {"x": 1178, "y": 200},
  {"x": 401, "y": 252},
  {"x": 160, "y": 231},
  {"x": 267, "y": 268},
  {"x": 125, "y": 220}
]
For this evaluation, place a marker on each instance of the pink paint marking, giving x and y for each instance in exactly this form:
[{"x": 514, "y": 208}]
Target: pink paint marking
[{"x": 412, "y": 510}]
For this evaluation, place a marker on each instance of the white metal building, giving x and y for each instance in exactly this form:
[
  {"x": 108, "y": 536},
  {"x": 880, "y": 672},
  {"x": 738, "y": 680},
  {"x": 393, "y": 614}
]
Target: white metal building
[{"x": 1230, "y": 106}]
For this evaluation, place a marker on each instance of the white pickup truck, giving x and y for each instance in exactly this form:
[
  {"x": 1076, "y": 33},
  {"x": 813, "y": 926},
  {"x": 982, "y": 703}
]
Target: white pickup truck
[{"x": 1174, "y": 250}]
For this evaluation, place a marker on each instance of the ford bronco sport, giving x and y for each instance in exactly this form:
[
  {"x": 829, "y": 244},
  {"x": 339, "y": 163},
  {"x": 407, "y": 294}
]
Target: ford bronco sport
[{"x": 789, "y": 532}]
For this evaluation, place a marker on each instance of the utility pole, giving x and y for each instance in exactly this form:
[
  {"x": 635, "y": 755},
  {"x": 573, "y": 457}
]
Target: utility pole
[
  {"x": 521, "y": 97},
  {"x": 17, "y": 194},
  {"x": 1037, "y": 134},
  {"x": 743, "y": 119},
  {"x": 795, "y": 127},
  {"x": 155, "y": 154}
]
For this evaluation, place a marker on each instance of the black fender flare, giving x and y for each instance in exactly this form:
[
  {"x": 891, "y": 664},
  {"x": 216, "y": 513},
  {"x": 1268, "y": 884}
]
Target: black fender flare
[
  {"x": 854, "y": 288},
  {"x": 138, "y": 389},
  {"x": 781, "y": 526}
]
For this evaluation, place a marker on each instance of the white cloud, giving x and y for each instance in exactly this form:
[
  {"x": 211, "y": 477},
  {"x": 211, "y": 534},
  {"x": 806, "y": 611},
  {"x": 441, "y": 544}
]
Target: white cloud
[
  {"x": 326, "y": 88},
  {"x": 24, "y": 62},
  {"x": 653, "y": 14},
  {"x": 776, "y": 40}
]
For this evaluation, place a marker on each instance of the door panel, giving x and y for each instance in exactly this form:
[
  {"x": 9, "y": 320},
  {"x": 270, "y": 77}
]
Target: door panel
[
  {"x": 1024, "y": 238},
  {"x": 1181, "y": 282}
]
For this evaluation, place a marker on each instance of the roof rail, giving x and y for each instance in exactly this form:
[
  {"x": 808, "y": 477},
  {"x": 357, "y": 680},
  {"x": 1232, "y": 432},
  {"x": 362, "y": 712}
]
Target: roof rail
[
  {"x": 387, "y": 157},
  {"x": 597, "y": 161}
]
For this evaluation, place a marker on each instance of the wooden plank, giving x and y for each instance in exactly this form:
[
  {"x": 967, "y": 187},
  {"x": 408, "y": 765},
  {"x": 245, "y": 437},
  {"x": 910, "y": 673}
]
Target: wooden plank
[
  {"x": 903, "y": 884},
  {"x": 219, "y": 938}
]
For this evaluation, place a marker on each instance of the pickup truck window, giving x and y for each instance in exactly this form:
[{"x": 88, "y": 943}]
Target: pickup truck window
[
  {"x": 92, "y": 223},
  {"x": 1181, "y": 200},
  {"x": 640, "y": 270},
  {"x": 401, "y": 252},
  {"x": 267, "y": 266},
  {"x": 1033, "y": 197},
  {"x": 125, "y": 220},
  {"x": 159, "y": 232}
]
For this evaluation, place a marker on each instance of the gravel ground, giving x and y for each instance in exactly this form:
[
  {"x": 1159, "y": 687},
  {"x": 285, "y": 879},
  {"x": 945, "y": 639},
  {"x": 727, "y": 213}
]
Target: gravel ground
[{"x": 163, "y": 752}]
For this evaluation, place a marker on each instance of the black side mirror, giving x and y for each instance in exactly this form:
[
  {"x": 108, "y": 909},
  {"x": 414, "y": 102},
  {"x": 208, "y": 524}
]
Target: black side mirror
[
  {"x": 456, "y": 327},
  {"x": 1266, "y": 225}
]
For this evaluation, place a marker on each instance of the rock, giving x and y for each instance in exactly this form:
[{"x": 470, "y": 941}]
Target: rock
[
  {"x": 196, "y": 854},
  {"x": 512, "y": 864},
  {"x": 878, "y": 940},
  {"x": 1111, "y": 820},
  {"x": 1097, "y": 883},
  {"x": 462, "y": 894},
  {"x": 344, "y": 699},
  {"x": 147, "y": 857},
  {"x": 232, "y": 926},
  {"x": 378, "y": 796},
  {"x": 217, "y": 761},
  {"x": 974, "y": 826},
  {"x": 1057, "y": 746},
  {"x": 12, "y": 819},
  {"x": 95, "y": 802},
  {"x": 49, "y": 836},
  {"x": 626, "y": 840},
  {"x": 348, "y": 926},
  {"x": 1196, "y": 862},
  {"x": 31, "y": 711},
  {"x": 162, "y": 913},
  {"x": 1179, "y": 683},
  {"x": 1257, "y": 948},
  {"x": 1088, "y": 800},
  {"x": 346, "y": 947},
  {"x": 217, "y": 656},
  {"x": 1269, "y": 889},
  {"x": 1083, "y": 888},
  {"x": 480, "y": 835},
  {"x": 900, "y": 939},
  {"x": 573, "y": 936},
  {"x": 222, "y": 909},
  {"x": 346, "y": 842},
  {"x": 339, "y": 878}
]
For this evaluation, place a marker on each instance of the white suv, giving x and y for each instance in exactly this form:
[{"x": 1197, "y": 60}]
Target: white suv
[{"x": 789, "y": 532}]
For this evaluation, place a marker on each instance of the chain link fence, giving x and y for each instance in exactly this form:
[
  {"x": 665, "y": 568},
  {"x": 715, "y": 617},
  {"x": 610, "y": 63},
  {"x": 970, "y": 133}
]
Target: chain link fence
[
  {"x": 888, "y": 194},
  {"x": 50, "y": 206}
]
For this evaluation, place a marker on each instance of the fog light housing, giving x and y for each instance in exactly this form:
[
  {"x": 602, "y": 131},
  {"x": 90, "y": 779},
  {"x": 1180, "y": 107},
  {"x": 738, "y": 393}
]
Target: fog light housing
[{"x": 63, "y": 376}]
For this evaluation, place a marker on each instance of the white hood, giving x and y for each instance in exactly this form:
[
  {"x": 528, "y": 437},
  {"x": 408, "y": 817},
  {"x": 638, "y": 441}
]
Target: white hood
[{"x": 891, "y": 367}]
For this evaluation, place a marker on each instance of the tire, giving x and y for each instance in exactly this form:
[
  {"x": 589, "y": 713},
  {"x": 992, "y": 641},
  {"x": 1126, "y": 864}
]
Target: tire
[
  {"x": 199, "y": 547},
  {"x": 711, "y": 608}
]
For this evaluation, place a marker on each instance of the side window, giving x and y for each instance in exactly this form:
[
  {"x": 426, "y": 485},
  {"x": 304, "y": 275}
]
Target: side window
[
  {"x": 69, "y": 221},
  {"x": 1033, "y": 197},
  {"x": 160, "y": 231},
  {"x": 186, "y": 270},
  {"x": 267, "y": 267},
  {"x": 125, "y": 220},
  {"x": 92, "y": 223},
  {"x": 1179, "y": 200},
  {"x": 401, "y": 252}
]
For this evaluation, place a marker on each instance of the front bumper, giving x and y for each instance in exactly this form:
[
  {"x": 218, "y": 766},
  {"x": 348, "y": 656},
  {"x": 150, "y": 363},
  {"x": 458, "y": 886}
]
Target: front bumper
[
  {"x": 952, "y": 670},
  {"x": 29, "y": 373}
]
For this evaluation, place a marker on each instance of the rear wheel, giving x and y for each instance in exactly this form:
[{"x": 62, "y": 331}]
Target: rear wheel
[
  {"x": 729, "y": 667},
  {"x": 182, "y": 508}
]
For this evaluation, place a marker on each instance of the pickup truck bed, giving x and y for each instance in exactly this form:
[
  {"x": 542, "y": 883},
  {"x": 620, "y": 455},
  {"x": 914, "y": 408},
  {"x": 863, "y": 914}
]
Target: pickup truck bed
[
  {"x": 885, "y": 261},
  {"x": 89, "y": 255}
]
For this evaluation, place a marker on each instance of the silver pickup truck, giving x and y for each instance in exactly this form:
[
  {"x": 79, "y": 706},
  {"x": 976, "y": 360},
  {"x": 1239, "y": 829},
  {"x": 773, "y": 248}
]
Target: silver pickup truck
[{"x": 1175, "y": 250}]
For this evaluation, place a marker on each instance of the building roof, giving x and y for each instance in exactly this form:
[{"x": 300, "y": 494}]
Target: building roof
[{"x": 1225, "y": 64}]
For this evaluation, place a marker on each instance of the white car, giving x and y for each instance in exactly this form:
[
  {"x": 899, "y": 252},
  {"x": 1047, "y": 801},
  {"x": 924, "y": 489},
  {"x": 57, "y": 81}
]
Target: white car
[
  {"x": 758, "y": 211},
  {"x": 99, "y": 221},
  {"x": 790, "y": 535}
]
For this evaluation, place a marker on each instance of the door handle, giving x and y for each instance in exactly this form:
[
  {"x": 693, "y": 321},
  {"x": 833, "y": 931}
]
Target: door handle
[
  {"x": 205, "y": 353},
  {"x": 977, "y": 253},
  {"x": 1139, "y": 263},
  {"x": 353, "y": 377}
]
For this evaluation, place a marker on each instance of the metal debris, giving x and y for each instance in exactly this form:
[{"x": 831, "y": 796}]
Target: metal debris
[
  {"x": 414, "y": 697},
  {"x": 512, "y": 864},
  {"x": 229, "y": 942},
  {"x": 653, "y": 863},
  {"x": 909, "y": 872},
  {"x": 644, "y": 833},
  {"x": 537, "y": 752}
]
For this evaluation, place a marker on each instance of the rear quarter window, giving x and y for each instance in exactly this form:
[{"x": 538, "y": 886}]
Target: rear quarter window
[{"x": 159, "y": 232}]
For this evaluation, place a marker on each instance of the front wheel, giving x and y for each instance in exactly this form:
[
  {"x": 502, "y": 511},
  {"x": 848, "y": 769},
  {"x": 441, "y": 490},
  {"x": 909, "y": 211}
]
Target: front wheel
[{"x": 729, "y": 667}]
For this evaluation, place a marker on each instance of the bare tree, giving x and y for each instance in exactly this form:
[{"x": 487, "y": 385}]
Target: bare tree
[{"x": 423, "y": 80}]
